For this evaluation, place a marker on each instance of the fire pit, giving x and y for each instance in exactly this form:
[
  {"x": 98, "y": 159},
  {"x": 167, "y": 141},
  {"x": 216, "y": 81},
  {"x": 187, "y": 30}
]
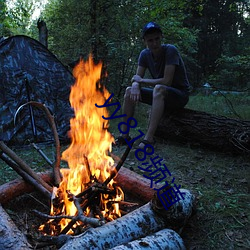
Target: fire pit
[{"x": 85, "y": 199}]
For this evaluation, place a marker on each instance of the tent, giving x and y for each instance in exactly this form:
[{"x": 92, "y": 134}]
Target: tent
[{"x": 30, "y": 72}]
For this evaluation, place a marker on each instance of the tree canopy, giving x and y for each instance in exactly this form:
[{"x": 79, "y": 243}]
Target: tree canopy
[{"x": 212, "y": 35}]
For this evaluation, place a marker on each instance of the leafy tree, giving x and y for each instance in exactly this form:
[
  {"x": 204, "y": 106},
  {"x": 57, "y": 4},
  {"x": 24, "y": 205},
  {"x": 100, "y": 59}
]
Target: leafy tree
[
  {"x": 97, "y": 27},
  {"x": 223, "y": 32},
  {"x": 4, "y": 20},
  {"x": 111, "y": 30},
  {"x": 210, "y": 34},
  {"x": 20, "y": 15}
]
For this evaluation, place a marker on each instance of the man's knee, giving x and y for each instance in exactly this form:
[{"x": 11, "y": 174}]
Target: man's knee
[
  {"x": 127, "y": 92},
  {"x": 159, "y": 90}
]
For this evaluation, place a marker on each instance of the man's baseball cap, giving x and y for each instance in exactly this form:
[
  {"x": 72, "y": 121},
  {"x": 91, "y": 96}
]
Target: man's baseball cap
[{"x": 149, "y": 27}]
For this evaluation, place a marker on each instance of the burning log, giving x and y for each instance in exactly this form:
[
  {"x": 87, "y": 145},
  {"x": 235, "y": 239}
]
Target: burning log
[
  {"x": 163, "y": 239},
  {"x": 80, "y": 217},
  {"x": 139, "y": 223},
  {"x": 10, "y": 237}
]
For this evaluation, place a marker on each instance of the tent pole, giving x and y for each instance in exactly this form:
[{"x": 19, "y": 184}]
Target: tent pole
[{"x": 33, "y": 125}]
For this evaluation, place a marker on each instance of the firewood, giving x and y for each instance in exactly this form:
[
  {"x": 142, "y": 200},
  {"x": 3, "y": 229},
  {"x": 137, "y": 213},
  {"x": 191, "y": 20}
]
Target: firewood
[
  {"x": 56, "y": 168},
  {"x": 10, "y": 237},
  {"x": 131, "y": 182},
  {"x": 163, "y": 239},
  {"x": 23, "y": 165},
  {"x": 119, "y": 165},
  {"x": 17, "y": 187},
  {"x": 26, "y": 176},
  {"x": 135, "y": 184},
  {"x": 139, "y": 223}
]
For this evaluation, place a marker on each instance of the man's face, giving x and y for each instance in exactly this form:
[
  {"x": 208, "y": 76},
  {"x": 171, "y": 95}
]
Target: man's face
[{"x": 153, "y": 40}]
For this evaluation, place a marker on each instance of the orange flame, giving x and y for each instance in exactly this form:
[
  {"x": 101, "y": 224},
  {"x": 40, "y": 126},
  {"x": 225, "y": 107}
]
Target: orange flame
[{"x": 91, "y": 142}]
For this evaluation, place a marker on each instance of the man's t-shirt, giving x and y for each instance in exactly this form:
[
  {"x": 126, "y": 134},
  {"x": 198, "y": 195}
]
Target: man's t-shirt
[{"x": 171, "y": 56}]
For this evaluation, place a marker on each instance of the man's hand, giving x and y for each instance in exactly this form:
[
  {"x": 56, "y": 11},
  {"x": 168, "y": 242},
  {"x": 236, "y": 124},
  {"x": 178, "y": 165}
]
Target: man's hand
[
  {"x": 136, "y": 78},
  {"x": 135, "y": 93}
]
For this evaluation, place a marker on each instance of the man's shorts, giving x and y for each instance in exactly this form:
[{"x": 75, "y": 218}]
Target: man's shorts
[{"x": 175, "y": 99}]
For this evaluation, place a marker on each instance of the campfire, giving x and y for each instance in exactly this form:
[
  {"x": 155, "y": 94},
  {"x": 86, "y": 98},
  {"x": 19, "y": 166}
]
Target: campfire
[
  {"x": 87, "y": 199},
  {"x": 86, "y": 189}
]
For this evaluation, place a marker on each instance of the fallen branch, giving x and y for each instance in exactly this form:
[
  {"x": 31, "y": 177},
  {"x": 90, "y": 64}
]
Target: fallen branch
[
  {"x": 42, "y": 154},
  {"x": 26, "y": 176},
  {"x": 57, "y": 174},
  {"x": 23, "y": 165}
]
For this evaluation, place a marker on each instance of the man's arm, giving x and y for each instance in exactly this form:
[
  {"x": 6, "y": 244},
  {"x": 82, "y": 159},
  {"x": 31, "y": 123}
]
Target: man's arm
[
  {"x": 166, "y": 80},
  {"x": 135, "y": 93}
]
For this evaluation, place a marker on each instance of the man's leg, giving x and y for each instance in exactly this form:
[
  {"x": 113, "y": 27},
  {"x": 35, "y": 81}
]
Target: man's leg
[
  {"x": 128, "y": 108},
  {"x": 157, "y": 111}
]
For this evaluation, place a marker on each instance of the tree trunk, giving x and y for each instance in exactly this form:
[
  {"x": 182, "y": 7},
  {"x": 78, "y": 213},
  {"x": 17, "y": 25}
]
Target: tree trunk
[
  {"x": 212, "y": 131},
  {"x": 10, "y": 237},
  {"x": 43, "y": 32}
]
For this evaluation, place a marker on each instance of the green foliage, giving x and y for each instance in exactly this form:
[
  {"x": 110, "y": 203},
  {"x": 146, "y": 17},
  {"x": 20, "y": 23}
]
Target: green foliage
[
  {"x": 212, "y": 36},
  {"x": 111, "y": 30},
  {"x": 233, "y": 106},
  {"x": 20, "y": 16},
  {"x": 223, "y": 30},
  {"x": 4, "y": 20},
  {"x": 233, "y": 72}
]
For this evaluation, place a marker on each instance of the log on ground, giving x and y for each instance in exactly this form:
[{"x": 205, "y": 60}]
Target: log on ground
[
  {"x": 18, "y": 187},
  {"x": 212, "y": 131},
  {"x": 129, "y": 181},
  {"x": 163, "y": 239},
  {"x": 10, "y": 237},
  {"x": 134, "y": 184},
  {"x": 137, "y": 224}
]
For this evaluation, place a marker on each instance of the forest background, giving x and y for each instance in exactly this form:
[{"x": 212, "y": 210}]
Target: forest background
[{"x": 213, "y": 36}]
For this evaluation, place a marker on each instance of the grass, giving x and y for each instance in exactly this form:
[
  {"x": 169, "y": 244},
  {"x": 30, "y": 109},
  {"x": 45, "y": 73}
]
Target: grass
[
  {"x": 233, "y": 106},
  {"x": 220, "y": 181}
]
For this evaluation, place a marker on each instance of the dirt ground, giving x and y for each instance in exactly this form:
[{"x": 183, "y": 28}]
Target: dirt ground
[{"x": 220, "y": 182}]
